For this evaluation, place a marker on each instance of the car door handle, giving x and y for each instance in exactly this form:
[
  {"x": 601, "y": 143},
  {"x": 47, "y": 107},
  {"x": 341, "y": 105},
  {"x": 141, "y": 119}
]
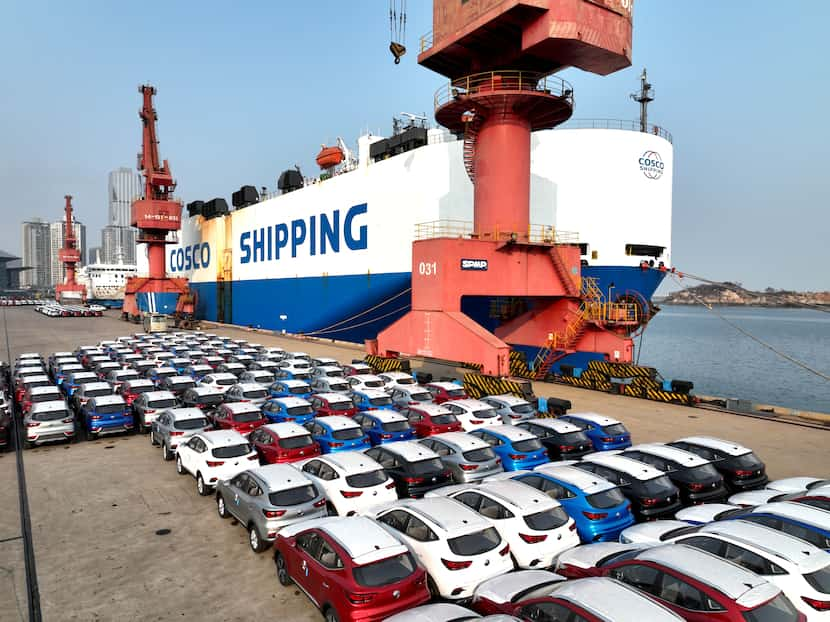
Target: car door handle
[{"x": 325, "y": 585}]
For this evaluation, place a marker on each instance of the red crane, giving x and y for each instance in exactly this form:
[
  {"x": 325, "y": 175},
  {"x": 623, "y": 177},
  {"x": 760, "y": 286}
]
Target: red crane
[
  {"x": 155, "y": 215},
  {"x": 69, "y": 255}
]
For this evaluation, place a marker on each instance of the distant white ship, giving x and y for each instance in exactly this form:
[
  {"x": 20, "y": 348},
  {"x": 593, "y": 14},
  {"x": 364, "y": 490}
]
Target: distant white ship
[{"x": 105, "y": 282}]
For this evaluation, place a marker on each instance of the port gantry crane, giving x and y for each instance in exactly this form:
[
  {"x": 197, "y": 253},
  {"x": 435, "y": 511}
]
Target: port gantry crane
[
  {"x": 70, "y": 291},
  {"x": 155, "y": 215}
]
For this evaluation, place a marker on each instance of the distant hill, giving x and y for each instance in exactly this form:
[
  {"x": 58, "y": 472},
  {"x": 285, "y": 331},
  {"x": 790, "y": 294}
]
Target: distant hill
[{"x": 734, "y": 294}]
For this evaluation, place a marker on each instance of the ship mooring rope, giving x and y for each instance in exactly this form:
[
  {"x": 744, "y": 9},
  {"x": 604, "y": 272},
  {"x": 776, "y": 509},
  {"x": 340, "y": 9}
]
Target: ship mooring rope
[
  {"x": 758, "y": 340},
  {"x": 327, "y": 329},
  {"x": 375, "y": 319}
]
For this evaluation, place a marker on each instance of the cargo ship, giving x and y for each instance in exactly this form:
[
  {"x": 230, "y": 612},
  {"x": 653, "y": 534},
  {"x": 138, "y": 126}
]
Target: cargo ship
[
  {"x": 105, "y": 282},
  {"x": 330, "y": 256}
]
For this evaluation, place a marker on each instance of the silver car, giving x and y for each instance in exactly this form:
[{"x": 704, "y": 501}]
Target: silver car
[
  {"x": 329, "y": 384},
  {"x": 468, "y": 458},
  {"x": 148, "y": 406},
  {"x": 252, "y": 392},
  {"x": 511, "y": 408},
  {"x": 266, "y": 498},
  {"x": 47, "y": 422},
  {"x": 176, "y": 425},
  {"x": 257, "y": 376},
  {"x": 403, "y": 396}
]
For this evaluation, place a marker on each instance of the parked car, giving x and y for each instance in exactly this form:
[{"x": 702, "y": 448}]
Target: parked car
[
  {"x": 64, "y": 370},
  {"x": 251, "y": 393},
  {"x": 416, "y": 469},
  {"x": 337, "y": 433},
  {"x": 797, "y": 484},
  {"x": 331, "y": 385},
  {"x": 176, "y": 384},
  {"x": 468, "y": 458},
  {"x": 214, "y": 456},
  {"x": 267, "y": 498},
  {"x": 457, "y": 546},
  {"x": 291, "y": 409},
  {"x": 118, "y": 376},
  {"x": 356, "y": 368},
  {"x": 131, "y": 389},
  {"x": 35, "y": 395},
  {"x": 30, "y": 382},
  {"x": 562, "y": 440},
  {"x": 350, "y": 568},
  {"x": 708, "y": 512},
  {"x": 105, "y": 367},
  {"x": 219, "y": 381},
  {"x": 147, "y": 406},
  {"x": 105, "y": 414},
  {"x": 257, "y": 376},
  {"x": 205, "y": 398},
  {"x": 325, "y": 404},
  {"x": 741, "y": 469},
  {"x": 352, "y": 481},
  {"x": 365, "y": 381},
  {"x": 797, "y": 519},
  {"x": 157, "y": 374},
  {"x": 197, "y": 372},
  {"x": 243, "y": 417},
  {"x": 297, "y": 369},
  {"x": 384, "y": 426},
  {"x": 290, "y": 388},
  {"x": 511, "y": 408},
  {"x": 517, "y": 448},
  {"x": 231, "y": 367},
  {"x": 326, "y": 371},
  {"x": 427, "y": 419},
  {"x": 86, "y": 392},
  {"x": 283, "y": 442},
  {"x": 605, "y": 432},
  {"x": 176, "y": 425},
  {"x": 473, "y": 414},
  {"x": 394, "y": 379},
  {"x": 412, "y": 395},
  {"x": 371, "y": 399},
  {"x": 446, "y": 392},
  {"x": 45, "y": 422}
]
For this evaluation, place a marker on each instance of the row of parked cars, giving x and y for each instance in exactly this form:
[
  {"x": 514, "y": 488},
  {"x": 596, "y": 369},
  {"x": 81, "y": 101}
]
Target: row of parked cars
[
  {"x": 371, "y": 525},
  {"x": 55, "y": 309}
]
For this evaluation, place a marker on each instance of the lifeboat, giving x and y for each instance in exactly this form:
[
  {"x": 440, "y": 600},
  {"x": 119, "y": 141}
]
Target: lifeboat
[{"x": 329, "y": 157}]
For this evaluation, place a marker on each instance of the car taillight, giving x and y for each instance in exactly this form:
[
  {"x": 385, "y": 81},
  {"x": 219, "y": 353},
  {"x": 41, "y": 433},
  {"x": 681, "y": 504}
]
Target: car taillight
[
  {"x": 476, "y": 421},
  {"x": 95, "y": 417},
  {"x": 320, "y": 503},
  {"x": 696, "y": 486},
  {"x": 743, "y": 473},
  {"x": 567, "y": 447},
  {"x": 272, "y": 513},
  {"x": 360, "y": 598},
  {"x": 595, "y": 515},
  {"x": 818, "y": 605},
  {"x": 335, "y": 444},
  {"x": 67, "y": 420},
  {"x": 176, "y": 433},
  {"x": 469, "y": 467},
  {"x": 607, "y": 439},
  {"x": 572, "y": 527},
  {"x": 385, "y": 436},
  {"x": 390, "y": 485},
  {"x": 451, "y": 565},
  {"x": 413, "y": 480},
  {"x": 505, "y": 550},
  {"x": 650, "y": 502},
  {"x": 253, "y": 457},
  {"x": 215, "y": 463},
  {"x": 533, "y": 539},
  {"x": 32, "y": 424},
  {"x": 516, "y": 456},
  {"x": 351, "y": 494}
]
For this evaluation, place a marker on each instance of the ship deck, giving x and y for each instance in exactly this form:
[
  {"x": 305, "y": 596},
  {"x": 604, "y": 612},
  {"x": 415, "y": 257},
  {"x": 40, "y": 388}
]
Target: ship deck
[{"x": 96, "y": 507}]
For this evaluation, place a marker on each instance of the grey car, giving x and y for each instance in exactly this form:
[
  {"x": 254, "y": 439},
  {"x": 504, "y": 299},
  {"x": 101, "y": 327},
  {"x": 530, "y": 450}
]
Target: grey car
[
  {"x": 331, "y": 384},
  {"x": 403, "y": 396},
  {"x": 468, "y": 458},
  {"x": 176, "y": 425},
  {"x": 511, "y": 408},
  {"x": 266, "y": 498},
  {"x": 47, "y": 422},
  {"x": 148, "y": 406},
  {"x": 87, "y": 391},
  {"x": 252, "y": 392},
  {"x": 257, "y": 376}
]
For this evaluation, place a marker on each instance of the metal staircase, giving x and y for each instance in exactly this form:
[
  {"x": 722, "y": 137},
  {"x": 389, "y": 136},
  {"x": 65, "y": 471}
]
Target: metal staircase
[
  {"x": 565, "y": 277},
  {"x": 473, "y": 124}
]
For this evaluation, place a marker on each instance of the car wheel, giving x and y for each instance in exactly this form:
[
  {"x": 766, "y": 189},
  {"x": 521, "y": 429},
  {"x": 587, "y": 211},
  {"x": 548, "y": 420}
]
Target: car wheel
[
  {"x": 166, "y": 454},
  {"x": 201, "y": 487},
  {"x": 28, "y": 444},
  {"x": 153, "y": 441},
  {"x": 220, "y": 507},
  {"x": 179, "y": 465},
  {"x": 282, "y": 571},
  {"x": 257, "y": 543},
  {"x": 331, "y": 615}
]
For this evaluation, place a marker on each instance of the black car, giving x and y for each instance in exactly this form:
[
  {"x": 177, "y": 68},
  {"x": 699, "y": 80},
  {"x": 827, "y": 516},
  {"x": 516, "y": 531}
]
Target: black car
[
  {"x": 562, "y": 440},
  {"x": 207, "y": 399},
  {"x": 696, "y": 478},
  {"x": 414, "y": 468},
  {"x": 651, "y": 493},
  {"x": 741, "y": 469}
]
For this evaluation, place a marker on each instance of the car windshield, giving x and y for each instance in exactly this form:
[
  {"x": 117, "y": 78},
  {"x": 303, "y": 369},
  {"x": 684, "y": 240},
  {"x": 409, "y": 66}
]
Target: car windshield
[
  {"x": 109, "y": 409},
  {"x": 141, "y": 389},
  {"x": 444, "y": 419},
  {"x": 573, "y": 438},
  {"x": 165, "y": 373},
  {"x": 385, "y": 572},
  {"x": 46, "y": 397},
  {"x": 347, "y": 434},
  {"x": 820, "y": 580},
  {"x": 304, "y": 409},
  {"x": 547, "y": 519},
  {"x": 191, "y": 424},
  {"x": 344, "y": 405},
  {"x": 97, "y": 392},
  {"x": 232, "y": 451},
  {"x": 381, "y": 401},
  {"x": 339, "y": 386},
  {"x": 295, "y": 442},
  {"x": 703, "y": 472},
  {"x": 475, "y": 543},
  {"x": 366, "y": 479},
  {"x": 210, "y": 400},
  {"x": 656, "y": 486},
  {"x": 426, "y": 467},
  {"x": 264, "y": 378},
  {"x": 606, "y": 499},
  {"x": 481, "y": 454},
  {"x": 485, "y": 413},
  {"x": 459, "y": 392},
  {"x": 745, "y": 461},
  {"x": 373, "y": 384},
  {"x": 334, "y": 372},
  {"x": 522, "y": 409},
  {"x": 779, "y": 609},
  {"x": 615, "y": 429},
  {"x": 225, "y": 382},
  {"x": 163, "y": 403},
  {"x": 255, "y": 394},
  {"x": 247, "y": 417},
  {"x": 300, "y": 390},
  {"x": 293, "y": 496},
  {"x": 395, "y": 426},
  {"x": 52, "y": 415},
  {"x": 530, "y": 444}
]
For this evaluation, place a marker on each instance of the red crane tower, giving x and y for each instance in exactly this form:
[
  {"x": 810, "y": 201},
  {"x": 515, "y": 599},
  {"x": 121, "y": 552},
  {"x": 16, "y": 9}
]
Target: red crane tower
[
  {"x": 499, "y": 56},
  {"x": 155, "y": 215},
  {"x": 69, "y": 291}
]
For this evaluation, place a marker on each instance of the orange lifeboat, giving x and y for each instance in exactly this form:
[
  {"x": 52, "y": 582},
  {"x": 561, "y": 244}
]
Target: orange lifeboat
[{"x": 329, "y": 157}]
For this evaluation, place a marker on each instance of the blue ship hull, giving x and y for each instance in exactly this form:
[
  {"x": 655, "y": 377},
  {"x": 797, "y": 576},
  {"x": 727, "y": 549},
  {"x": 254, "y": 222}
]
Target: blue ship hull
[{"x": 157, "y": 302}]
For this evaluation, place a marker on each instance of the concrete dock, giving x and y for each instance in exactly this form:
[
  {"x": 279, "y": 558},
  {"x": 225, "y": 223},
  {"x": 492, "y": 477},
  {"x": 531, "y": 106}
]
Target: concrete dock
[{"x": 100, "y": 510}]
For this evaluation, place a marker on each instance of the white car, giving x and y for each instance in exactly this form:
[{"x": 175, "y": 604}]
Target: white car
[
  {"x": 797, "y": 484},
  {"x": 327, "y": 384},
  {"x": 655, "y": 532},
  {"x": 251, "y": 393},
  {"x": 299, "y": 356},
  {"x": 751, "y": 498},
  {"x": 708, "y": 512},
  {"x": 510, "y": 407},
  {"x": 595, "y": 555},
  {"x": 327, "y": 371},
  {"x": 514, "y": 586},
  {"x": 211, "y": 456},
  {"x": 393, "y": 379},
  {"x": 801, "y": 570},
  {"x": 359, "y": 382},
  {"x": 257, "y": 376},
  {"x": 473, "y": 414},
  {"x": 458, "y": 547},
  {"x": 352, "y": 481},
  {"x": 537, "y": 527},
  {"x": 324, "y": 361},
  {"x": 220, "y": 381}
]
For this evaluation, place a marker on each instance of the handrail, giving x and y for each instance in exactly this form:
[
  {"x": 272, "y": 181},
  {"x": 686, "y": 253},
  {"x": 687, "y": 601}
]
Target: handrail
[
  {"x": 427, "y": 41},
  {"x": 449, "y": 228},
  {"x": 615, "y": 124},
  {"x": 503, "y": 80}
]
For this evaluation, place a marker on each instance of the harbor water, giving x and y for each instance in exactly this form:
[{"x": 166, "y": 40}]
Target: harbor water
[{"x": 693, "y": 343}]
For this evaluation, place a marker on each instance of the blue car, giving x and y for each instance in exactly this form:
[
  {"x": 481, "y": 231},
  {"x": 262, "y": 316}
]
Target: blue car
[
  {"x": 76, "y": 379},
  {"x": 372, "y": 399},
  {"x": 598, "y": 507},
  {"x": 337, "y": 433},
  {"x": 106, "y": 414},
  {"x": 65, "y": 370},
  {"x": 157, "y": 374},
  {"x": 517, "y": 448},
  {"x": 605, "y": 433},
  {"x": 180, "y": 365},
  {"x": 796, "y": 519},
  {"x": 384, "y": 426},
  {"x": 288, "y": 409},
  {"x": 290, "y": 388}
]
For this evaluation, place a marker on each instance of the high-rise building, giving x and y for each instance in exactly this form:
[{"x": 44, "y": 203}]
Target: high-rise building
[
  {"x": 124, "y": 187},
  {"x": 93, "y": 256},
  {"x": 36, "y": 254},
  {"x": 57, "y": 271},
  {"x": 118, "y": 244}
]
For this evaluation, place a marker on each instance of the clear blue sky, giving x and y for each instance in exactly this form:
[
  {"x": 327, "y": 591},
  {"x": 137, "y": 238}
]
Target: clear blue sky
[{"x": 248, "y": 89}]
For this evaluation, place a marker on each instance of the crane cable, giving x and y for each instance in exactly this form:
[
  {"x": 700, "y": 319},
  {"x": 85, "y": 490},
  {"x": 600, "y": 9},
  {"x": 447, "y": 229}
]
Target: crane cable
[
  {"x": 328, "y": 329},
  {"x": 743, "y": 331},
  {"x": 397, "y": 29}
]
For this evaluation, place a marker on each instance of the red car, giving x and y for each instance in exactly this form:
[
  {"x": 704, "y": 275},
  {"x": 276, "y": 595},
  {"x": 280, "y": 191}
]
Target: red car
[
  {"x": 325, "y": 404},
  {"x": 30, "y": 382},
  {"x": 350, "y": 567},
  {"x": 428, "y": 419},
  {"x": 46, "y": 393},
  {"x": 446, "y": 391},
  {"x": 131, "y": 389},
  {"x": 283, "y": 442},
  {"x": 355, "y": 369},
  {"x": 701, "y": 587},
  {"x": 243, "y": 417}
]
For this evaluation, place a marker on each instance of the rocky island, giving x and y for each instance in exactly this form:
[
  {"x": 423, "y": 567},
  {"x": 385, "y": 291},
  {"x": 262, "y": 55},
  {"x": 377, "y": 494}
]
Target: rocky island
[{"x": 735, "y": 294}]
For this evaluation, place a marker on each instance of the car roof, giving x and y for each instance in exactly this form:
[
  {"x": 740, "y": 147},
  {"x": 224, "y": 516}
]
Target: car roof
[
  {"x": 518, "y": 495},
  {"x": 280, "y": 476},
  {"x": 448, "y": 386},
  {"x": 337, "y": 422},
  {"x": 291, "y": 382},
  {"x": 290, "y": 402},
  {"x": 255, "y": 372},
  {"x": 166, "y": 369},
  {"x": 181, "y": 414},
  {"x": 372, "y": 393},
  {"x": 219, "y": 438},
  {"x": 462, "y": 440},
  {"x": 685, "y": 458},
  {"x": 250, "y": 386},
  {"x": 221, "y": 376},
  {"x": 392, "y": 375},
  {"x": 159, "y": 395},
  {"x": 43, "y": 390},
  {"x": 797, "y": 511},
  {"x": 329, "y": 367},
  {"x": 611, "y": 600},
  {"x": 719, "y": 444},
  {"x": 508, "y": 399},
  {"x": 240, "y": 407},
  {"x": 596, "y": 418},
  {"x": 108, "y": 400},
  {"x": 140, "y": 382},
  {"x": 287, "y": 429},
  {"x": 385, "y": 416},
  {"x": 471, "y": 404},
  {"x": 205, "y": 390},
  {"x": 634, "y": 468},
  {"x": 37, "y": 378},
  {"x": 411, "y": 451},
  {"x": 589, "y": 483},
  {"x": 178, "y": 379},
  {"x": 233, "y": 365},
  {"x": 447, "y": 514},
  {"x": 121, "y": 371},
  {"x": 91, "y": 386},
  {"x": 510, "y": 432},
  {"x": 365, "y": 377},
  {"x": 49, "y": 406},
  {"x": 557, "y": 425},
  {"x": 433, "y": 410},
  {"x": 333, "y": 397},
  {"x": 351, "y": 461}
]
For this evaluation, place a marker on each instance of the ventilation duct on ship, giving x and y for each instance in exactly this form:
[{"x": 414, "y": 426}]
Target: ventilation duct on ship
[
  {"x": 290, "y": 180},
  {"x": 245, "y": 196},
  {"x": 215, "y": 207},
  {"x": 194, "y": 208}
]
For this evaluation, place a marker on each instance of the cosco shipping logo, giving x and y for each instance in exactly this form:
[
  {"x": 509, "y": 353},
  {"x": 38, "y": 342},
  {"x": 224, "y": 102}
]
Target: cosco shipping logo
[{"x": 652, "y": 165}]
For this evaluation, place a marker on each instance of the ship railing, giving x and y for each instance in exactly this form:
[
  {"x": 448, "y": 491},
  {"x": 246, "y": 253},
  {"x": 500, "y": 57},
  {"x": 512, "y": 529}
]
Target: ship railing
[
  {"x": 427, "y": 40},
  {"x": 615, "y": 124},
  {"x": 503, "y": 80},
  {"x": 537, "y": 234}
]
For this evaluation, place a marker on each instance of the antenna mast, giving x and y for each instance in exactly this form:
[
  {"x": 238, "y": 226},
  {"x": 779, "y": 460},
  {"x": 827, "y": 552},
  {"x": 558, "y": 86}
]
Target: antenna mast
[{"x": 644, "y": 97}]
